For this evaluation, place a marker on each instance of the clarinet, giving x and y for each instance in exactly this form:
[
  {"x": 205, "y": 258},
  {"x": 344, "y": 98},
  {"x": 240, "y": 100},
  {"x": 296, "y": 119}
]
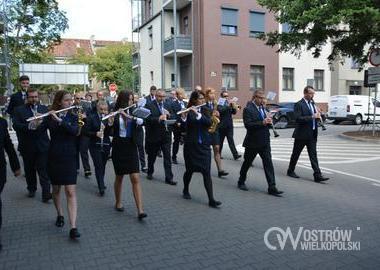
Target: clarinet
[
  {"x": 319, "y": 120},
  {"x": 275, "y": 133}
]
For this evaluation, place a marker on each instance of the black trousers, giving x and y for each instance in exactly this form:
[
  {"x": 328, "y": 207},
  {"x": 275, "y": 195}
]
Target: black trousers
[
  {"x": 140, "y": 148},
  {"x": 229, "y": 133},
  {"x": 152, "y": 151},
  {"x": 176, "y": 141},
  {"x": 3, "y": 173},
  {"x": 265, "y": 154},
  {"x": 311, "y": 146},
  {"x": 84, "y": 142},
  {"x": 99, "y": 157},
  {"x": 36, "y": 163},
  {"x": 206, "y": 181}
]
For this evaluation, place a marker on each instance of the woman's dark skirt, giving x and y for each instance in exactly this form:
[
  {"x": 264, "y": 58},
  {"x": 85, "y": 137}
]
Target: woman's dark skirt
[
  {"x": 215, "y": 138},
  {"x": 197, "y": 157},
  {"x": 125, "y": 156},
  {"x": 62, "y": 169}
]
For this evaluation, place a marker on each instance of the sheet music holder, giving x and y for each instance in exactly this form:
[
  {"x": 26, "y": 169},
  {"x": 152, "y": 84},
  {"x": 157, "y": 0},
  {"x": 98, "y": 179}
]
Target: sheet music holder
[{"x": 141, "y": 112}]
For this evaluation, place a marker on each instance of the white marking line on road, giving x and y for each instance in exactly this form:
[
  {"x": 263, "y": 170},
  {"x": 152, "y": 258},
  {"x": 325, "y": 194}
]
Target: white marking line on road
[
  {"x": 332, "y": 153},
  {"x": 319, "y": 157},
  {"x": 374, "y": 184},
  {"x": 319, "y": 146},
  {"x": 310, "y": 168},
  {"x": 352, "y": 175}
]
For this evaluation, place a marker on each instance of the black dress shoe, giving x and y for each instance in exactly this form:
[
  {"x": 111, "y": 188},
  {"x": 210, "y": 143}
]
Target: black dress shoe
[
  {"x": 149, "y": 177},
  {"x": 119, "y": 209},
  {"x": 242, "y": 186},
  {"x": 60, "y": 221},
  {"x": 174, "y": 161},
  {"x": 87, "y": 174},
  {"x": 74, "y": 233},
  {"x": 31, "y": 194},
  {"x": 101, "y": 192},
  {"x": 275, "y": 192},
  {"x": 1, "y": 247},
  {"x": 171, "y": 182},
  {"x": 292, "y": 174},
  {"x": 214, "y": 204},
  {"x": 46, "y": 197},
  {"x": 320, "y": 178},
  {"x": 186, "y": 195},
  {"x": 141, "y": 216},
  {"x": 222, "y": 173},
  {"x": 237, "y": 157}
]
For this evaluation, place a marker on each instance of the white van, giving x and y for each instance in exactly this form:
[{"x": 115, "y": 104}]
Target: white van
[{"x": 350, "y": 107}]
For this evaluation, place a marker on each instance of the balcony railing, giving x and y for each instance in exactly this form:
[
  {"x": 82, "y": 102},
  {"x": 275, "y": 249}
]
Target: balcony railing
[{"x": 183, "y": 43}]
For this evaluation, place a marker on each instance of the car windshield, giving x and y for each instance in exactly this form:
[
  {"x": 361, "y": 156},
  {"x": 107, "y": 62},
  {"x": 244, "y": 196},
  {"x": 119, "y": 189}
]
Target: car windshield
[{"x": 286, "y": 105}]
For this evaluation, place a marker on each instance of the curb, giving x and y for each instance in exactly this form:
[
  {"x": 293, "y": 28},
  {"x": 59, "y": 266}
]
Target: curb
[{"x": 359, "y": 139}]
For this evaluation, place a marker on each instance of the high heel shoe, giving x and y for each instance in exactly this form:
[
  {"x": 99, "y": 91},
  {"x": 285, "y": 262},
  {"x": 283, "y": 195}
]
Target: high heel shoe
[
  {"x": 214, "y": 204},
  {"x": 141, "y": 216},
  {"x": 222, "y": 173},
  {"x": 74, "y": 233},
  {"x": 60, "y": 221}
]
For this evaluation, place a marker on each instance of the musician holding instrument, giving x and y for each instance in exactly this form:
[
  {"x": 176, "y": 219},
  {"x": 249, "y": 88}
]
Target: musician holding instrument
[
  {"x": 140, "y": 138},
  {"x": 196, "y": 151},
  {"x": 158, "y": 136},
  {"x": 83, "y": 141},
  {"x": 306, "y": 133},
  {"x": 226, "y": 126},
  {"x": 122, "y": 127},
  {"x": 33, "y": 142},
  {"x": 99, "y": 143},
  {"x": 210, "y": 95},
  {"x": 62, "y": 158},
  {"x": 178, "y": 128},
  {"x": 257, "y": 142}
]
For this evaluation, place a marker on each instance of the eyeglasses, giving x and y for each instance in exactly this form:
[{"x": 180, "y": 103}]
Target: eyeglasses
[{"x": 225, "y": 96}]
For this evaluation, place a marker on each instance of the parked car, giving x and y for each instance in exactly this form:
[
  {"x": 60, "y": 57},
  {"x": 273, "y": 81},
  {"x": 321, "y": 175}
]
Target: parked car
[
  {"x": 354, "y": 108},
  {"x": 283, "y": 114}
]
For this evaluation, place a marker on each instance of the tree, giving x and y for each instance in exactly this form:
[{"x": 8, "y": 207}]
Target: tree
[
  {"x": 112, "y": 64},
  {"x": 352, "y": 26},
  {"x": 32, "y": 27}
]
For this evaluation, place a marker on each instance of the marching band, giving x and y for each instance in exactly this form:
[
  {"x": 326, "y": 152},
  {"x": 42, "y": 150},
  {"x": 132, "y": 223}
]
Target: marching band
[{"x": 81, "y": 125}]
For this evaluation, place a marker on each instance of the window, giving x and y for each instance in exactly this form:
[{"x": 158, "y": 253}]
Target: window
[
  {"x": 172, "y": 80},
  {"x": 172, "y": 31},
  {"x": 151, "y": 78},
  {"x": 256, "y": 23},
  {"x": 256, "y": 77},
  {"x": 186, "y": 26},
  {"x": 318, "y": 79},
  {"x": 229, "y": 77},
  {"x": 150, "y": 33},
  {"x": 354, "y": 64},
  {"x": 286, "y": 28},
  {"x": 150, "y": 8},
  {"x": 288, "y": 79},
  {"x": 229, "y": 21}
]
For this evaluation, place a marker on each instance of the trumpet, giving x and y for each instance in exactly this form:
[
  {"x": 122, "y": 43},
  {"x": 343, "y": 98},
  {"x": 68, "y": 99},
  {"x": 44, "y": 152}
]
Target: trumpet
[
  {"x": 190, "y": 108},
  {"x": 117, "y": 112},
  {"x": 48, "y": 113}
]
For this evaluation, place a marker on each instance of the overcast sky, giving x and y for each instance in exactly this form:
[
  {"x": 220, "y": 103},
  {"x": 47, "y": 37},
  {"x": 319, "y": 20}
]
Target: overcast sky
[{"x": 107, "y": 20}]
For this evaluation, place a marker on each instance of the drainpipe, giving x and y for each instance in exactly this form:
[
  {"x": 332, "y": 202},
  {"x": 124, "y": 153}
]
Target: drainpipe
[{"x": 175, "y": 43}]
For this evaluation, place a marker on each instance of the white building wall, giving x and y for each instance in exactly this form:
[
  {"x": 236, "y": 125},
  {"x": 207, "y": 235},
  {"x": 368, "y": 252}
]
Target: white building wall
[{"x": 150, "y": 58}]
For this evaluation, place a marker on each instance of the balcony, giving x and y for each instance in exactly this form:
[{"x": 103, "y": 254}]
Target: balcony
[
  {"x": 169, "y": 5},
  {"x": 184, "y": 46},
  {"x": 135, "y": 60}
]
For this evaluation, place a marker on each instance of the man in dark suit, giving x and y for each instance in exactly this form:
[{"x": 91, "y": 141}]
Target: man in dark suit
[
  {"x": 158, "y": 136},
  {"x": 178, "y": 129},
  {"x": 7, "y": 146},
  {"x": 18, "y": 98},
  {"x": 152, "y": 94},
  {"x": 140, "y": 139},
  {"x": 83, "y": 140},
  {"x": 33, "y": 144},
  {"x": 306, "y": 133},
  {"x": 99, "y": 149},
  {"x": 226, "y": 126},
  {"x": 257, "y": 141}
]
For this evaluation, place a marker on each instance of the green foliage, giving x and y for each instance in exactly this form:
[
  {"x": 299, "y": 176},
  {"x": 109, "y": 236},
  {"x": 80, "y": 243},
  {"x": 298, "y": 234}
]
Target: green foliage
[
  {"x": 33, "y": 26},
  {"x": 112, "y": 64},
  {"x": 352, "y": 26}
]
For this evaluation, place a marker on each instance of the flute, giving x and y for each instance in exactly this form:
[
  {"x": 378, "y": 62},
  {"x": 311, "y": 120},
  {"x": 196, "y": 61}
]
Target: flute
[
  {"x": 48, "y": 113},
  {"x": 117, "y": 112},
  {"x": 188, "y": 109}
]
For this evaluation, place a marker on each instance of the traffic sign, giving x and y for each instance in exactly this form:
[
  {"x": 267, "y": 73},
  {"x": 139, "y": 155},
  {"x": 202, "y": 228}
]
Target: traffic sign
[
  {"x": 112, "y": 87},
  {"x": 373, "y": 75}
]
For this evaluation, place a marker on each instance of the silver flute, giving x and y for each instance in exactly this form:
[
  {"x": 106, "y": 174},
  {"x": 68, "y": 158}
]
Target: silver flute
[
  {"x": 48, "y": 113},
  {"x": 117, "y": 112}
]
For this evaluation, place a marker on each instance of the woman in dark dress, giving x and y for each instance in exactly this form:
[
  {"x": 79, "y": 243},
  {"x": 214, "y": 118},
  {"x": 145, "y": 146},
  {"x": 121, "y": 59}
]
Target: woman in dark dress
[
  {"x": 210, "y": 95},
  {"x": 125, "y": 156},
  {"x": 62, "y": 162},
  {"x": 196, "y": 150}
]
